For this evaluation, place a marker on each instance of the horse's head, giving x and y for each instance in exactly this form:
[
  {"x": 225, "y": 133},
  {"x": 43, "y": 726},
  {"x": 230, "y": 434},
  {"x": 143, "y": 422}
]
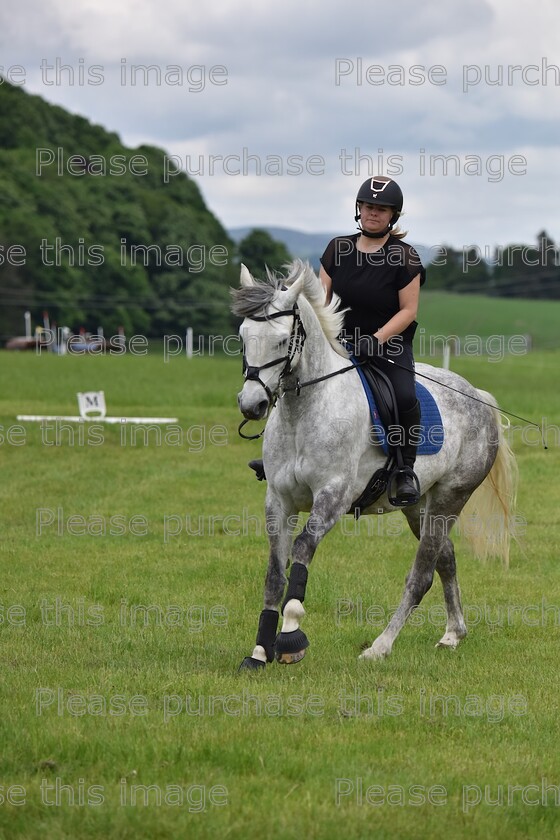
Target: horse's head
[{"x": 272, "y": 334}]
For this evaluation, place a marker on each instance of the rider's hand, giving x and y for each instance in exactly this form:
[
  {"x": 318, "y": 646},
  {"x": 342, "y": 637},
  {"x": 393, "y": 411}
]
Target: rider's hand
[{"x": 368, "y": 347}]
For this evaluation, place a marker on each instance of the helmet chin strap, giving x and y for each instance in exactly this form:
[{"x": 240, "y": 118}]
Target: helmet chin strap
[{"x": 375, "y": 235}]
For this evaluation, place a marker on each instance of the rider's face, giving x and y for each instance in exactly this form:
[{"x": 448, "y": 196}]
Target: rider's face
[{"x": 375, "y": 217}]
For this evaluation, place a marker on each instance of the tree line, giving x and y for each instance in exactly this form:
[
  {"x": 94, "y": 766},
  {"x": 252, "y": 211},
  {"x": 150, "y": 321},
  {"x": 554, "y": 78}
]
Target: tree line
[{"x": 516, "y": 271}]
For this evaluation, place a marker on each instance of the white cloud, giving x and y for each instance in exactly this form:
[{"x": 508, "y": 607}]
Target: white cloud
[{"x": 281, "y": 99}]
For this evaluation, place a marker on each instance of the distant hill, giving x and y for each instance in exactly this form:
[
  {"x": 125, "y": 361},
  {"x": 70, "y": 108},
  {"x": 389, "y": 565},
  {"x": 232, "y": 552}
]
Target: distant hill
[
  {"x": 308, "y": 246},
  {"x": 90, "y": 202}
]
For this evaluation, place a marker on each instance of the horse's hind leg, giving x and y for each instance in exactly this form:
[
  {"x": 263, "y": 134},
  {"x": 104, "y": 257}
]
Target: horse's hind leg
[
  {"x": 418, "y": 582},
  {"x": 446, "y": 567},
  {"x": 433, "y": 539}
]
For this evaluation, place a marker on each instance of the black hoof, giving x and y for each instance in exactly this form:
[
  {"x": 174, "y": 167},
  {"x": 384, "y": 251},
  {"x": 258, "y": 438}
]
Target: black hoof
[
  {"x": 251, "y": 664},
  {"x": 290, "y": 647}
]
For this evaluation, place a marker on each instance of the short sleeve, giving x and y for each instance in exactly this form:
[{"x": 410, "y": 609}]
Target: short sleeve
[
  {"x": 328, "y": 258},
  {"x": 410, "y": 266}
]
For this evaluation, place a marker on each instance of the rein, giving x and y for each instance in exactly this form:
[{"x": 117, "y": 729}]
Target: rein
[
  {"x": 476, "y": 399},
  {"x": 297, "y": 388},
  {"x": 297, "y": 340}
]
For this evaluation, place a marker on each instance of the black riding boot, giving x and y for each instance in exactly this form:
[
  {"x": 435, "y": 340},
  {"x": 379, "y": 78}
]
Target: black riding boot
[
  {"x": 406, "y": 482},
  {"x": 258, "y": 467}
]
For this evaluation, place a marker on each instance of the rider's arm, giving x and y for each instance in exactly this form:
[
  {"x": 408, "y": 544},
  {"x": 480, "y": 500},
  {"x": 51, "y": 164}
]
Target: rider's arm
[
  {"x": 408, "y": 303},
  {"x": 327, "y": 283}
]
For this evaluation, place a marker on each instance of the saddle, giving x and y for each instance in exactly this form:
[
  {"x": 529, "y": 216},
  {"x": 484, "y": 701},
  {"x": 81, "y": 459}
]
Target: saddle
[
  {"x": 381, "y": 396},
  {"x": 383, "y": 409},
  {"x": 381, "y": 399}
]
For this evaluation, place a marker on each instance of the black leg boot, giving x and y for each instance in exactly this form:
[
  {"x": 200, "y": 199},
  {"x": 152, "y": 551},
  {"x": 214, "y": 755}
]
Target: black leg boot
[{"x": 407, "y": 490}]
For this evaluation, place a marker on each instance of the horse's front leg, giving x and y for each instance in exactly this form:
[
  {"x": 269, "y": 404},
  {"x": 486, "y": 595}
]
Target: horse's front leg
[
  {"x": 328, "y": 506},
  {"x": 280, "y": 527}
]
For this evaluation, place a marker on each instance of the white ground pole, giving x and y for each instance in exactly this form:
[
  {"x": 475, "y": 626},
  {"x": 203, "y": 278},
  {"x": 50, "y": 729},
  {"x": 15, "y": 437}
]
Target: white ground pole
[{"x": 77, "y": 419}]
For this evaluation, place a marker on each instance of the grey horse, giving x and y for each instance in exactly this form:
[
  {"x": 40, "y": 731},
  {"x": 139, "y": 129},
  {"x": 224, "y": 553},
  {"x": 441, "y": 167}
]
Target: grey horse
[{"x": 319, "y": 455}]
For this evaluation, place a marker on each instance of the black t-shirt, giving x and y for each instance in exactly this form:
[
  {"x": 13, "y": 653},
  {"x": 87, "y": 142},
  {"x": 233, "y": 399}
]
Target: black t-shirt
[{"x": 370, "y": 283}]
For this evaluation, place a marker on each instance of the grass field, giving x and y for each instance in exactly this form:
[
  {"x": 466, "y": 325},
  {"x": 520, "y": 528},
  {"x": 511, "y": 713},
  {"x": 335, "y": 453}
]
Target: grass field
[
  {"x": 122, "y": 721},
  {"x": 453, "y": 314}
]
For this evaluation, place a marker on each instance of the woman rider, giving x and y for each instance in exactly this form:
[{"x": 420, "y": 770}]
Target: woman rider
[{"x": 378, "y": 277}]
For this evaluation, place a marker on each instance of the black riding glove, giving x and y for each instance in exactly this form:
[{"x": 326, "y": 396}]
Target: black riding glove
[{"x": 368, "y": 347}]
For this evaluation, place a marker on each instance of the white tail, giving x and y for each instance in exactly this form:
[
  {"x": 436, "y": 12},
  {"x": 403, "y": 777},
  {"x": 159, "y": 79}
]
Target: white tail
[{"x": 491, "y": 506}]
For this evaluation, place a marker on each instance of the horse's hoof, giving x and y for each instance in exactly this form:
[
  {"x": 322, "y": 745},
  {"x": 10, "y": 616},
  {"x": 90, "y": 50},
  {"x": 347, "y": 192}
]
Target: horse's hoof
[
  {"x": 374, "y": 653},
  {"x": 290, "y": 647},
  {"x": 290, "y": 658},
  {"x": 371, "y": 656},
  {"x": 251, "y": 664},
  {"x": 450, "y": 641}
]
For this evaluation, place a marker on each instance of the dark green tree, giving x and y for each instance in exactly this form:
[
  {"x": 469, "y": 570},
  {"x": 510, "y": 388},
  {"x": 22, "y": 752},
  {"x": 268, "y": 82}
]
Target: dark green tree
[
  {"x": 259, "y": 250},
  {"x": 459, "y": 271},
  {"x": 525, "y": 271},
  {"x": 445, "y": 271},
  {"x": 112, "y": 213}
]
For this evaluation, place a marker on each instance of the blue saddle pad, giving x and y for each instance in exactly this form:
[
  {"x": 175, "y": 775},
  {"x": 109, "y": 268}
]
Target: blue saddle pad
[{"x": 430, "y": 432}]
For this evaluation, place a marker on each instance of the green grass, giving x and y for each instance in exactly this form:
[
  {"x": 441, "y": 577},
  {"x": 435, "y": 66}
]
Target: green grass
[
  {"x": 271, "y": 744},
  {"x": 445, "y": 313}
]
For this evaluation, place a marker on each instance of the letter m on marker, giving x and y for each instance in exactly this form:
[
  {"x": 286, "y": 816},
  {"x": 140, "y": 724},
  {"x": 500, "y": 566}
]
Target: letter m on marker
[{"x": 92, "y": 403}]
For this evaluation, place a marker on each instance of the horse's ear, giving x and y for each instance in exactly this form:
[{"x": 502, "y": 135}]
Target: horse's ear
[
  {"x": 246, "y": 278},
  {"x": 296, "y": 287}
]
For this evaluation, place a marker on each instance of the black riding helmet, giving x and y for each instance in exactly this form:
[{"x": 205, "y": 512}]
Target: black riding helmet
[{"x": 380, "y": 190}]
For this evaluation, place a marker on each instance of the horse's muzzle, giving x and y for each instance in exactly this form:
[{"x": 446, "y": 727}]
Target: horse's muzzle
[{"x": 252, "y": 409}]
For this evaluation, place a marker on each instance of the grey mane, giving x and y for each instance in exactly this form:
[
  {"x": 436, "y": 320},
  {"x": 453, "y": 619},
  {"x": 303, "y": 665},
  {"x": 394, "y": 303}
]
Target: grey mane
[{"x": 250, "y": 300}]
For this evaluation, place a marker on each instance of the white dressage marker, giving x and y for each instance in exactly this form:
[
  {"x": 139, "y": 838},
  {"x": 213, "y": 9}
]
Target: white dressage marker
[
  {"x": 92, "y": 404},
  {"x": 92, "y": 407}
]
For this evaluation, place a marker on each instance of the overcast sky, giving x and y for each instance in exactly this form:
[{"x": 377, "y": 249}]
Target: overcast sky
[{"x": 290, "y": 85}]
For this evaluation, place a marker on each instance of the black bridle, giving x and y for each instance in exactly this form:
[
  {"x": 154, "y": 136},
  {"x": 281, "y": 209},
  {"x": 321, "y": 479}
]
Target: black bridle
[{"x": 253, "y": 372}]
